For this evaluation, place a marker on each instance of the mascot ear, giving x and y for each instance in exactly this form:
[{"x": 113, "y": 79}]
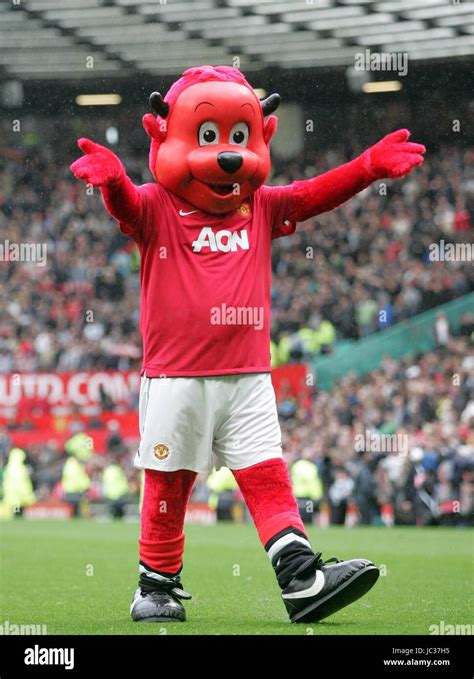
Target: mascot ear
[
  {"x": 154, "y": 129},
  {"x": 269, "y": 128}
]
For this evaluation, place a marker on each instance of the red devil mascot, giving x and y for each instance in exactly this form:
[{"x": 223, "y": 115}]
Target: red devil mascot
[{"x": 204, "y": 230}]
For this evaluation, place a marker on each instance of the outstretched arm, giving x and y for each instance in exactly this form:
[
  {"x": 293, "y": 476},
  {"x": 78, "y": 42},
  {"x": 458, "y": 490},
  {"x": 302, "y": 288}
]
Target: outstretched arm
[
  {"x": 393, "y": 156},
  {"x": 100, "y": 167}
]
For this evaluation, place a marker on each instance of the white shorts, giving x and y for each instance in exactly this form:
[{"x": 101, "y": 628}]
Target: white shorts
[{"x": 199, "y": 423}]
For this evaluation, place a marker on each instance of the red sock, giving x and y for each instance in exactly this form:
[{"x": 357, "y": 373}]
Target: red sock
[
  {"x": 165, "y": 498},
  {"x": 267, "y": 491}
]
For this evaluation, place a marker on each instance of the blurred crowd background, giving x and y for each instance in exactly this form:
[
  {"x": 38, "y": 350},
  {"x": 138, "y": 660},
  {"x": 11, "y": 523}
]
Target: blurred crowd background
[{"x": 330, "y": 281}]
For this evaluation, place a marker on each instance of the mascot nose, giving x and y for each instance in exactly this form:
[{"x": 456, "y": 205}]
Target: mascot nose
[{"x": 229, "y": 161}]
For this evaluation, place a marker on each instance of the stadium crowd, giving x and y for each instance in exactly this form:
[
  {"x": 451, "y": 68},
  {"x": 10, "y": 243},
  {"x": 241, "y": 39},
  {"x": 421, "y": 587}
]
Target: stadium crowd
[
  {"x": 400, "y": 437},
  {"x": 372, "y": 255},
  {"x": 331, "y": 280}
]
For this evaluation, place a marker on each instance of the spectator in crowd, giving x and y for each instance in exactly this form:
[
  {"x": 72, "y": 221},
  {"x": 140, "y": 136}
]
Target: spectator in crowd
[
  {"x": 365, "y": 490},
  {"x": 75, "y": 482},
  {"x": 115, "y": 488},
  {"x": 307, "y": 486},
  {"x": 339, "y": 494},
  {"x": 17, "y": 485},
  {"x": 442, "y": 330},
  {"x": 222, "y": 488}
]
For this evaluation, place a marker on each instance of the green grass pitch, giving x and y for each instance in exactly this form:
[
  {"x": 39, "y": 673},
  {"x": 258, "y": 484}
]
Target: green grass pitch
[{"x": 77, "y": 577}]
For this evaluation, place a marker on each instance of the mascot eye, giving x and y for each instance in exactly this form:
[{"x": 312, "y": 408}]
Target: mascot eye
[
  {"x": 208, "y": 133},
  {"x": 239, "y": 134}
]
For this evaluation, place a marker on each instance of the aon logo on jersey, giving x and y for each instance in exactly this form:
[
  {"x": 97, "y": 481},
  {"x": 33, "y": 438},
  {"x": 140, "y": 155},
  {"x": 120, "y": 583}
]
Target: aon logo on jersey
[{"x": 222, "y": 241}]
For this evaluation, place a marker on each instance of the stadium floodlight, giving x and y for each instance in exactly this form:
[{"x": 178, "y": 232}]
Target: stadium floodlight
[
  {"x": 112, "y": 135},
  {"x": 377, "y": 87},
  {"x": 98, "y": 99},
  {"x": 357, "y": 79},
  {"x": 11, "y": 94}
]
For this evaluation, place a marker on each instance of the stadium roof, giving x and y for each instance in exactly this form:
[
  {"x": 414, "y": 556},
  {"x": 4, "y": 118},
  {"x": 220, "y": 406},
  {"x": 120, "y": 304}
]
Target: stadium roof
[{"x": 50, "y": 39}]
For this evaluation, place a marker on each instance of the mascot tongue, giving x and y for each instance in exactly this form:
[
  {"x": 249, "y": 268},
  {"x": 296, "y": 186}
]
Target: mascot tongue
[{"x": 210, "y": 138}]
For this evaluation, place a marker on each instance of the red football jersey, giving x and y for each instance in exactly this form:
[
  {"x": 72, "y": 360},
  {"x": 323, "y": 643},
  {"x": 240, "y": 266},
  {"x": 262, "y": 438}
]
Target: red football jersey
[{"x": 205, "y": 281}]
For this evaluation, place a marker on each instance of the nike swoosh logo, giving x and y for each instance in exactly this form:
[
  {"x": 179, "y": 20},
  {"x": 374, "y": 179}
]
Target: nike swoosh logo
[
  {"x": 315, "y": 588},
  {"x": 183, "y": 214}
]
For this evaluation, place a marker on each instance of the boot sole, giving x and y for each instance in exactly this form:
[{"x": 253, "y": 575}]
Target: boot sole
[{"x": 351, "y": 590}]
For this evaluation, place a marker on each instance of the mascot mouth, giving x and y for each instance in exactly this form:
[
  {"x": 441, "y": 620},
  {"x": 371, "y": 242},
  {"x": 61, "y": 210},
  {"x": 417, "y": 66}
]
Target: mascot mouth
[{"x": 221, "y": 189}]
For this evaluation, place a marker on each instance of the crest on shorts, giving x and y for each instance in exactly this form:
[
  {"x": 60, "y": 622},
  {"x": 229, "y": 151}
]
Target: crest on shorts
[{"x": 161, "y": 451}]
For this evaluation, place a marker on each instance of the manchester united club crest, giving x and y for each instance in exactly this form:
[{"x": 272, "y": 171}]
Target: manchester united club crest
[
  {"x": 244, "y": 209},
  {"x": 161, "y": 451}
]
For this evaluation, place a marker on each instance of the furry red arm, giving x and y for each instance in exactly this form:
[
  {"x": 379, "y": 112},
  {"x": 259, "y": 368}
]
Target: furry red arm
[
  {"x": 101, "y": 167},
  {"x": 122, "y": 200},
  {"x": 391, "y": 157}
]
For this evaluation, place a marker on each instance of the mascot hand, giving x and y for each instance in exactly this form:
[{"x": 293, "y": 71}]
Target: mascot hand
[
  {"x": 393, "y": 156},
  {"x": 99, "y": 166}
]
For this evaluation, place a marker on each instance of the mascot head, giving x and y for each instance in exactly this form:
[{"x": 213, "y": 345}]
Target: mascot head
[{"x": 210, "y": 138}]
